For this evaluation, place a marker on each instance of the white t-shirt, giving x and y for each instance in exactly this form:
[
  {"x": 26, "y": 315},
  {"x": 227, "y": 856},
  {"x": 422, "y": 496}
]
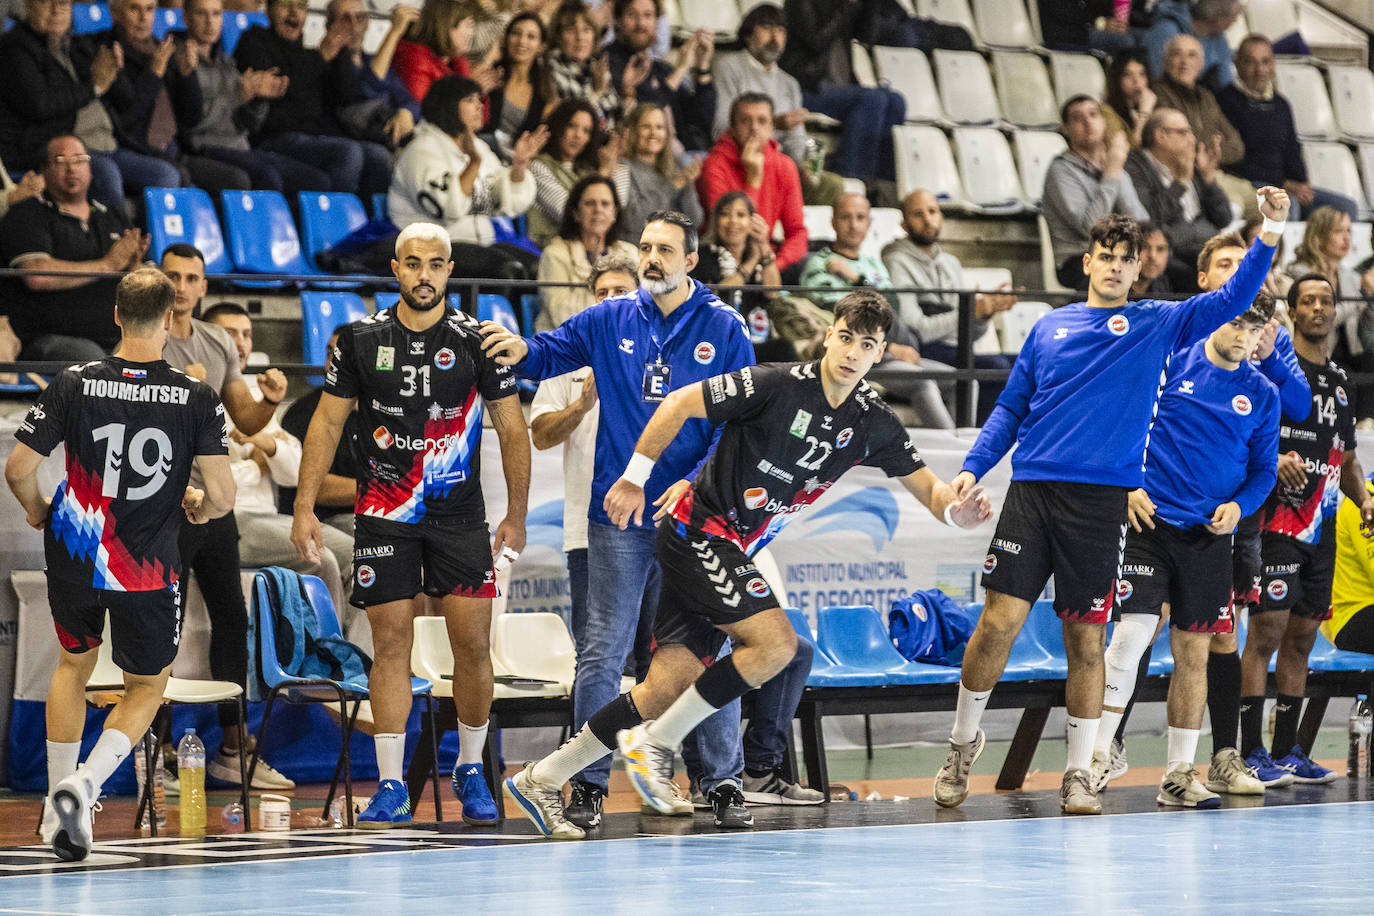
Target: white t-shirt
[{"x": 579, "y": 452}]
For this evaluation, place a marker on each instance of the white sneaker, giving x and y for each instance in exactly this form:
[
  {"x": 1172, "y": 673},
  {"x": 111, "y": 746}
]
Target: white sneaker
[
  {"x": 1180, "y": 788},
  {"x": 47, "y": 827},
  {"x": 682, "y": 805},
  {"x": 951, "y": 783},
  {"x": 774, "y": 789},
  {"x": 1119, "y": 764},
  {"x": 1076, "y": 795},
  {"x": 1100, "y": 770},
  {"x": 1228, "y": 773},
  {"x": 73, "y": 801},
  {"x": 650, "y": 768},
  {"x": 225, "y": 768},
  {"x": 542, "y": 804}
]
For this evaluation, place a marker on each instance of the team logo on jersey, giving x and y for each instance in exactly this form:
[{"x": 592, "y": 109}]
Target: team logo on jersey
[
  {"x": 1241, "y": 405},
  {"x": 1124, "y": 589},
  {"x": 705, "y": 352},
  {"x": 754, "y": 497},
  {"x": 844, "y": 436},
  {"x": 1061, "y": 333},
  {"x": 627, "y": 345},
  {"x": 1278, "y": 589},
  {"x": 417, "y": 348},
  {"x": 444, "y": 359},
  {"x": 386, "y": 357},
  {"x": 383, "y": 437},
  {"x": 920, "y": 611},
  {"x": 758, "y": 322},
  {"x": 366, "y": 576},
  {"x": 1186, "y": 387},
  {"x": 800, "y": 424},
  {"x": 758, "y": 588},
  {"x": 989, "y": 563},
  {"x": 1118, "y": 324},
  {"x": 1340, "y": 395}
]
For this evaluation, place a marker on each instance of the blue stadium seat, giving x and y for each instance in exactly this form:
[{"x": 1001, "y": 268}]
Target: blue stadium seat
[
  {"x": 262, "y": 234},
  {"x": 90, "y": 17},
  {"x": 235, "y": 24},
  {"x": 384, "y": 300},
  {"x": 1162, "y": 654},
  {"x": 185, "y": 215},
  {"x": 1047, "y": 630},
  {"x": 379, "y": 206},
  {"x": 1028, "y": 660},
  {"x": 167, "y": 19},
  {"x": 1326, "y": 657},
  {"x": 493, "y": 307},
  {"x": 856, "y": 638},
  {"x": 328, "y": 218},
  {"x": 824, "y": 671},
  {"x": 321, "y": 313}
]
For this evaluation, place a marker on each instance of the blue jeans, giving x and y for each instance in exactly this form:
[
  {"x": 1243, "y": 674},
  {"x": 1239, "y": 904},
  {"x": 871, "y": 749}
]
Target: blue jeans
[
  {"x": 865, "y": 147},
  {"x": 775, "y": 705},
  {"x": 622, "y": 578},
  {"x": 62, "y": 346},
  {"x": 355, "y": 166}
]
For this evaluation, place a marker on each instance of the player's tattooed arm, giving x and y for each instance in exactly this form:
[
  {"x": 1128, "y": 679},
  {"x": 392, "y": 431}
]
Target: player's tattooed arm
[
  {"x": 21, "y": 473},
  {"x": 1352, "y": 485},
  {"x": 1140, "y": 510},
  {"x": 625, "y": 499},
  {"x": 514, "y": 437},
  {"x": 962, "y": 510}
]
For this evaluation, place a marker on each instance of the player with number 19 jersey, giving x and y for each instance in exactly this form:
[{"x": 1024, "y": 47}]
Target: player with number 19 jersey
[{"x": 420, "y": 405}]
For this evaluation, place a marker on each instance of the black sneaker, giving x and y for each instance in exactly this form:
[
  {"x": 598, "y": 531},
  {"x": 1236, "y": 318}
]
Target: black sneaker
[
  {"x": 727, "y": 803},
  {"x": 584, "y": 807}
]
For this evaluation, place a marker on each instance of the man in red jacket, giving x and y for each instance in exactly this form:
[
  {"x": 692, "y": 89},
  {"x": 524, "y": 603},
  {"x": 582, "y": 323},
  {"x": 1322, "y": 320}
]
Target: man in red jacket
[{"x": 747, "y": 158}]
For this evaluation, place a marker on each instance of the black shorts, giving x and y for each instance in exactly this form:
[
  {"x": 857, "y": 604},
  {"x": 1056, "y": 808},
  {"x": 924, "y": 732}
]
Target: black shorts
[
  {"x": 145, "y": 627},
  {"x": 707, "y": 582},
  {"x": 1246, "y": 566},
  {"x": 1073, "y": 531},
  {"x": 1297, "y": 576},
  {"x": 1189, "y": 568},
  {"x": 395, "y": 561}
]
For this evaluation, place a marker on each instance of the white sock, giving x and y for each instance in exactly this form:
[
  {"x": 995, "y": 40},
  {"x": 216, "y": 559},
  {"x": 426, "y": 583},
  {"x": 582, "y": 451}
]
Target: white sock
[
  {"x": 1182, "y": 745},
  {"x": 471, "y": 740},
  {"x": 577, "y": 753},
  {"x": 968, "y": 712},
  {"x": 686, "y": 713},
  {"x": 1081, "y": 735},
  {"x": 391, "y": 752},
  {"x": 109, "y": 752},
  {"x": 62, "y": 760},
  {"x": 1106, "y": 731}
]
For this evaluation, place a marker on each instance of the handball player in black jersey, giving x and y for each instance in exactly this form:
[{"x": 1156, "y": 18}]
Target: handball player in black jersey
[
  {"x": 131, "y": 426},
  {"x": 789, "y": 432}
]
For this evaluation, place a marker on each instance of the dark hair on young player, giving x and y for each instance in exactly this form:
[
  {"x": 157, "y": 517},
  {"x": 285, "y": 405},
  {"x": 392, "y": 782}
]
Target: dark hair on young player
[
  {"x": 1261, "y": 310},
  {"x": 682, "y": 221},
  {"x": 225, "y": 308},
  {"x": 184, "y": 250},
  {"x": 865, "y": 311},
  {"x": 1297, "y": 285},
  {"x": 1114, "y": 230},
  {"x": 1216, "y": 243},
  {"x": 142, "y": 300}
]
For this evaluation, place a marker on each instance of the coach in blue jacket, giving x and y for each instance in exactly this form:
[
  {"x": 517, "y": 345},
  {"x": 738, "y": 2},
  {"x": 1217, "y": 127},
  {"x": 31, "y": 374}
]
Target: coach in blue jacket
[{"x": 670, "y": 333}]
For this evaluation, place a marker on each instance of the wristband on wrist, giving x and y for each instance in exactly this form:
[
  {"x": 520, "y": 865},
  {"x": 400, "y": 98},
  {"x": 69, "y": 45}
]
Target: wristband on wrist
[
  {"x": 1270, "y": 225},
  {"x": 638, "y": 470},
  {"x": 949, "y": 516}
]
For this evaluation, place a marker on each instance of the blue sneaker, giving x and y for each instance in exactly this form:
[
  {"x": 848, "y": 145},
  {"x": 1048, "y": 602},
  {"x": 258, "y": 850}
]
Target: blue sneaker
[
  {"x": 389, "y": 807},
  {"x": 1266, "y": 770},
  {"x": 1304, "y": 769},
  {"x": 470, "y": 785}
]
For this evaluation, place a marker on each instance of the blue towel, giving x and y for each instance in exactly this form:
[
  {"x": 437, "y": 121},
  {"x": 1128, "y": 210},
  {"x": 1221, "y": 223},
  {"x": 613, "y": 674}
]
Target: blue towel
[
  {"x": 302, "y": 650},
  {"x": 930, "y": 627}
]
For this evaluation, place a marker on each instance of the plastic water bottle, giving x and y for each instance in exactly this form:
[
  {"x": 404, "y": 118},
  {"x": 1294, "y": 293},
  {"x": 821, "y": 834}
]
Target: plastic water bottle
[
  {"x": 231, "y": 818},
  {"x": 159, "y": 806},
  {"x": 1361, "y": 727},
  {"x": 191, "y": 770}
]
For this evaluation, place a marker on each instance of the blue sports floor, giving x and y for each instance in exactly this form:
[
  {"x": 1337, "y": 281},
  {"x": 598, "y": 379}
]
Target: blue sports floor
[{"x": 1307, "y": 850}]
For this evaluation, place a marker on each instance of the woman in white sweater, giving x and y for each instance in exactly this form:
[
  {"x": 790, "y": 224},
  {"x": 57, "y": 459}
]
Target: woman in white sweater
[
  {"x": 590, "y": 230},
  {"x": 447, "y": 175}
]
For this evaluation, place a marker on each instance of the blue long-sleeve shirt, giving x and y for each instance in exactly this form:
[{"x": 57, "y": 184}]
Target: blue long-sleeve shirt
[
  {"x": 1214, "y": 440},
  {"x": 1281, "y": 367},
  {"x": 618, "y": 339},
  {"x": 1081, "y": 394}
]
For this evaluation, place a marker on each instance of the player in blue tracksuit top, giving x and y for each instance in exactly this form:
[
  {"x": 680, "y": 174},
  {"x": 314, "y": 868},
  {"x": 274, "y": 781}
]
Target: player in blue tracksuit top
[
  {"x": 1211, "y": 461},
  {"x": 671, "y": 333},
  {"x": 1078, "y": 407}
]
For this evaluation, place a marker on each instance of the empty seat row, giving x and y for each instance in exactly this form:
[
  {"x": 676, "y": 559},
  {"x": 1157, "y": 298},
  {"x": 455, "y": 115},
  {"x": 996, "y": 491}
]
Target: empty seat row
[
  {"x": 979, "y": 171},
  {"x": 1326, "y": 106}
]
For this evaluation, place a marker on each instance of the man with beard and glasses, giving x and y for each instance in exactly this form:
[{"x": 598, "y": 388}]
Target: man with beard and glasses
[
  {"x": 670, "y": 333},
  {"x": 421, "y": 384}
]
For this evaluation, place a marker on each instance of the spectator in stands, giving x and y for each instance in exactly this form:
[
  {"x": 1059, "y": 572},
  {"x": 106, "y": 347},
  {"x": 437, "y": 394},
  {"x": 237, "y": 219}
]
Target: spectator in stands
[
  {"x": 1130, "y": 100},
  {"x": 755, "y": 69},
  {"x": 684, "y": 90},
  {"x": 29, "y": 185},
  {"x": 57, "y": 83},
  {"x": 211, "y": 551},
  {"x": 747, "y": 158},
  {"x": 656, "y": 180},
  {"x": 1175, "y": 177},
  {"x": 383, "y": 110},
  {"x": 1278, "y": 282},
  {"x": 222, "y": 106},
  {"x": 1153, "y": 279},
  {"x": 302, "y": 123},
  {"x": 448, "y": 175},
  {"x": 518, "y": 103},
  {"x": 59, "y": 232},
  {"x": 435, "y": 45},
  {"x": 1178, "y": 88},
  {"x": 1085, "y": 183},
  {"x": 918, "y": 261},
  {"x": 735, "y": 252},
  {"x": 1264, "y": 120},
  {"x": 817, "y": 54},
  {"x": 489, "y": 21},
  {"x": 1324, "y": 247},
  {"x": 840, "y": 266},
  {"x": 590, "y": 231},
  {"x": 578, "y": 69},
  {"x": 1205, "y": 21},
  {"x": 576, "y": 148},
  {"x": 262, "y": 462},
  {"x": 1083, "y": 25}
]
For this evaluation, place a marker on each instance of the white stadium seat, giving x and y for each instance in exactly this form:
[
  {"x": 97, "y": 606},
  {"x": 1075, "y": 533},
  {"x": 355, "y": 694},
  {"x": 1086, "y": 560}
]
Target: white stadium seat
[
  {"x": 1305, "y": 90},
  {"x": 885, "y": 226},
  {"x": 1035, "y": 150},
  {"x": 1331, "y": 166},
  {"x": 862, "y": 65},
  {"x": 966, "y": 91},
  {"x": 720, "y": 16},
  {"x": 1365, "y": 152},
  {"x": 818, "y": 223},
  {"x": 987, "y": 170},
  {"x": 1272, "y": 18},
  {"x": 1361, "y": 246},
  {"x": 907, "y": 72},
  {"x": 924, "y": 160},
  {"x": 1049, "y": 270},
  {"x": 955, "y": 12},
  {"x": 1004, "y": 23},
  {"x": 1352, "y": 100},
  {"x": 1076, "y": 74},
  {"x": 988, "y": 278},
  {"x": 1023, "y": 89},
  {"x": 1017, "y": 322},
  {"x": 314, "y": 29}
]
